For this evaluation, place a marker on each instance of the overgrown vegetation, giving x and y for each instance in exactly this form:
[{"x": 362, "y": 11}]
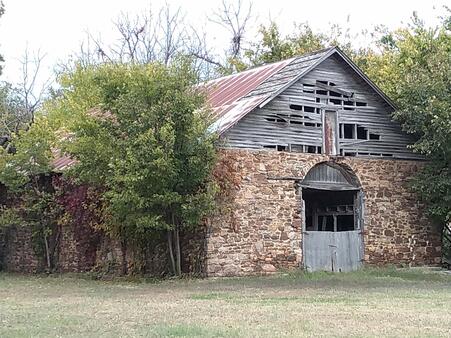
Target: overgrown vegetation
[{"x": 139, "y": 135}]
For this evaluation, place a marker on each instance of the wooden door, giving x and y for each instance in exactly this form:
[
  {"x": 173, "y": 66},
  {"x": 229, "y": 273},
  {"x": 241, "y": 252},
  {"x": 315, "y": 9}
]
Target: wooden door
[{"x": 337, "y": 251}]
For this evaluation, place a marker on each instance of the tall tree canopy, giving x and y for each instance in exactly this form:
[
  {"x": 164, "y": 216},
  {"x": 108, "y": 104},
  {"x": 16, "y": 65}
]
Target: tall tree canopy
[{"x": 139, "y": 133}]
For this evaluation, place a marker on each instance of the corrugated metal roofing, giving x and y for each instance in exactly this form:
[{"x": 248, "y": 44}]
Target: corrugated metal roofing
[{"x": 232, "y": 97}]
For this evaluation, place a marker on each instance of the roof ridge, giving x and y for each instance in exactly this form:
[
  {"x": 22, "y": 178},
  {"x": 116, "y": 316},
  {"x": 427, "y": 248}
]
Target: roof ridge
[
  {"x": 270, "y": 64},
  {"x": 251, "y": 69}
]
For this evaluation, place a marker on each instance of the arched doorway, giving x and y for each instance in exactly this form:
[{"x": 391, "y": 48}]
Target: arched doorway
[{"x": 332, "y": 201}]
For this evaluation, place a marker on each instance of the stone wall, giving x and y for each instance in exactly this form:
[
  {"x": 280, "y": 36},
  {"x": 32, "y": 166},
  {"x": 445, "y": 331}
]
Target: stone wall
[
  {"x": 259, "y": 229},
  {"x": 18, "y": 254},
  {"x": 89, "y": 250}
]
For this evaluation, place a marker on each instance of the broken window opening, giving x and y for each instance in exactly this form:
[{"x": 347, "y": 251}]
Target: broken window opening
[
  {"x": 355, "y": 131},
  {"x": 296, "y": 107},
  {"x": 328, "y": 210},
  {"x": 375, "y": 136},
  {"x": 361, "y": 104},
  {"x": 275, "y": 118},
  {"x": 307, "y": 88},
  {"x": 277, "y": 147},
  {"x": 335, "y": 101}
]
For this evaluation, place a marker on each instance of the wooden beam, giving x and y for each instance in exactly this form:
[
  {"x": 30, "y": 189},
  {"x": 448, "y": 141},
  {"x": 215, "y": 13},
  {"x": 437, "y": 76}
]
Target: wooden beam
[{"x": 334, "y": 89}]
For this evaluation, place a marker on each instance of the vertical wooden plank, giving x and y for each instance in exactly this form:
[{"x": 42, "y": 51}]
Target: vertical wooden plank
[{"x": 330, "y": 132}]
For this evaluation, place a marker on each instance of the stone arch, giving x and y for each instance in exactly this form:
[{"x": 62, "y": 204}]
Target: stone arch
[{"x": 330, "y": 175}]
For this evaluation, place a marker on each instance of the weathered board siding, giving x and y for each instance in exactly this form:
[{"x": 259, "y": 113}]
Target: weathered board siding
[{"x": 294, "y": 120}]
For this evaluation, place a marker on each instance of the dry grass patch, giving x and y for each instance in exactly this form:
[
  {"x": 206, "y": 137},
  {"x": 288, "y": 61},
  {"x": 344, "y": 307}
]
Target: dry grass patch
[{"x": 368, "y": 303}]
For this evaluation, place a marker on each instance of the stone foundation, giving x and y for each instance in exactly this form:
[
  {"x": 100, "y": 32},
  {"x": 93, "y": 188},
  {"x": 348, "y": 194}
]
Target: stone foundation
[{"x": 260, "y": 231}]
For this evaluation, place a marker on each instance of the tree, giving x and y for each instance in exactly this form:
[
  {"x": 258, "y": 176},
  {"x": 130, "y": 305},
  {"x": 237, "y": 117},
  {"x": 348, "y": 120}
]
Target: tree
[
  {"x": 25, "y": 173},
  {"x": 20, "y": 102},
  {"x": 421, "y": 58},
  {"x": 140, "y": 133},
  {"x": 160, "y": 36}
]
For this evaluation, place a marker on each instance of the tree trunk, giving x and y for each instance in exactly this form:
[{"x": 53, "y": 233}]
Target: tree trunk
[
  {"x": 171, "y": 252},
  {"x": 47, "y": 252},
  {"x": 177, "y": 252},
  {"x": 124, "y": 257}
]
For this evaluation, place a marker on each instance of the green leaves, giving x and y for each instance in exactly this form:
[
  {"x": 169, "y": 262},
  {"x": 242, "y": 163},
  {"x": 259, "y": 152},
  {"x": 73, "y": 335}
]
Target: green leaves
[
  {"x": 423, "y": 93},
  {"x": 146, "y": 144}
]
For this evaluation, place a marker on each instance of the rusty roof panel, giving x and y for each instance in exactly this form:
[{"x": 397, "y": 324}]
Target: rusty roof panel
[{"x": 224, "y": 92}]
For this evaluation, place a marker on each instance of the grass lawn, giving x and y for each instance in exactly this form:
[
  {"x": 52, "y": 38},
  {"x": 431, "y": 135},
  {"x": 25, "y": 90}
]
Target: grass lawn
[{"x": 367, "y": 303}]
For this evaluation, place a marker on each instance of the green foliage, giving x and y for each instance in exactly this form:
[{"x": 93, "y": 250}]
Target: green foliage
[
  {"x": 31, "y": 156},
  {"x": 140, "y": 133},
  {"x": 422, "y": 62}
]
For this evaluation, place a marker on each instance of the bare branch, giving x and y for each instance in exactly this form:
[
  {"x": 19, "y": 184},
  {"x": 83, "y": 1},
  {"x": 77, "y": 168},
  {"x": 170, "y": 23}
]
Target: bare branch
[{"x": 235, "y": 19}]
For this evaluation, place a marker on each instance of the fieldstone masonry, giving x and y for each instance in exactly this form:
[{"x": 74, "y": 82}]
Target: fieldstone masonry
[
  {"x": 257, "y": 230},
  {"x": 263, "y": 233}
]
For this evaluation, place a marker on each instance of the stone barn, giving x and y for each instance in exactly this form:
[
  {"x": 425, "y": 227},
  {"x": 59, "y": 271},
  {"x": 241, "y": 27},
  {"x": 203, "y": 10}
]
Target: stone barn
[
  {"x": 318, "y": 180},
  {"x": 322, "y": 172}
]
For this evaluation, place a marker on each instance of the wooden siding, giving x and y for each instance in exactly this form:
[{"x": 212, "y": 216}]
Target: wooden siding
[{"x": 294, "y": 120}]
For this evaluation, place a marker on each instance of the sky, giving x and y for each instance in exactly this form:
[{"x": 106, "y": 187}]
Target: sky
[{"x": 57, "y": 27}]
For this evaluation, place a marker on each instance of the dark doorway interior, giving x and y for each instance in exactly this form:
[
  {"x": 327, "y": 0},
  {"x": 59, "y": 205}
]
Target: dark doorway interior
[{"x": 327, "y": 210}]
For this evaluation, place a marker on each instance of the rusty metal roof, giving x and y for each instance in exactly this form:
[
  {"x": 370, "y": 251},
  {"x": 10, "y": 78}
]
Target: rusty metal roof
[
  {"x": 232, "y": 97},
  {"x": 61, "y": 161}
]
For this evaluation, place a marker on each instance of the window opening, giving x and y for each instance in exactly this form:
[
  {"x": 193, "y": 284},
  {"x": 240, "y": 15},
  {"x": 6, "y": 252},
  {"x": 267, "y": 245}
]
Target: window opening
[
  {"x": 348, "y": 131},
  {"x": 356, "y": 131},
  {"x": 327, "y": 210},
  {"x": 361, "y": 133},
  {"x": 374, "y": 136},
  {"x": 277, "y": 147},
  {"x": 296, "y": 107},
  {"x": 302, "y": 148}
]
